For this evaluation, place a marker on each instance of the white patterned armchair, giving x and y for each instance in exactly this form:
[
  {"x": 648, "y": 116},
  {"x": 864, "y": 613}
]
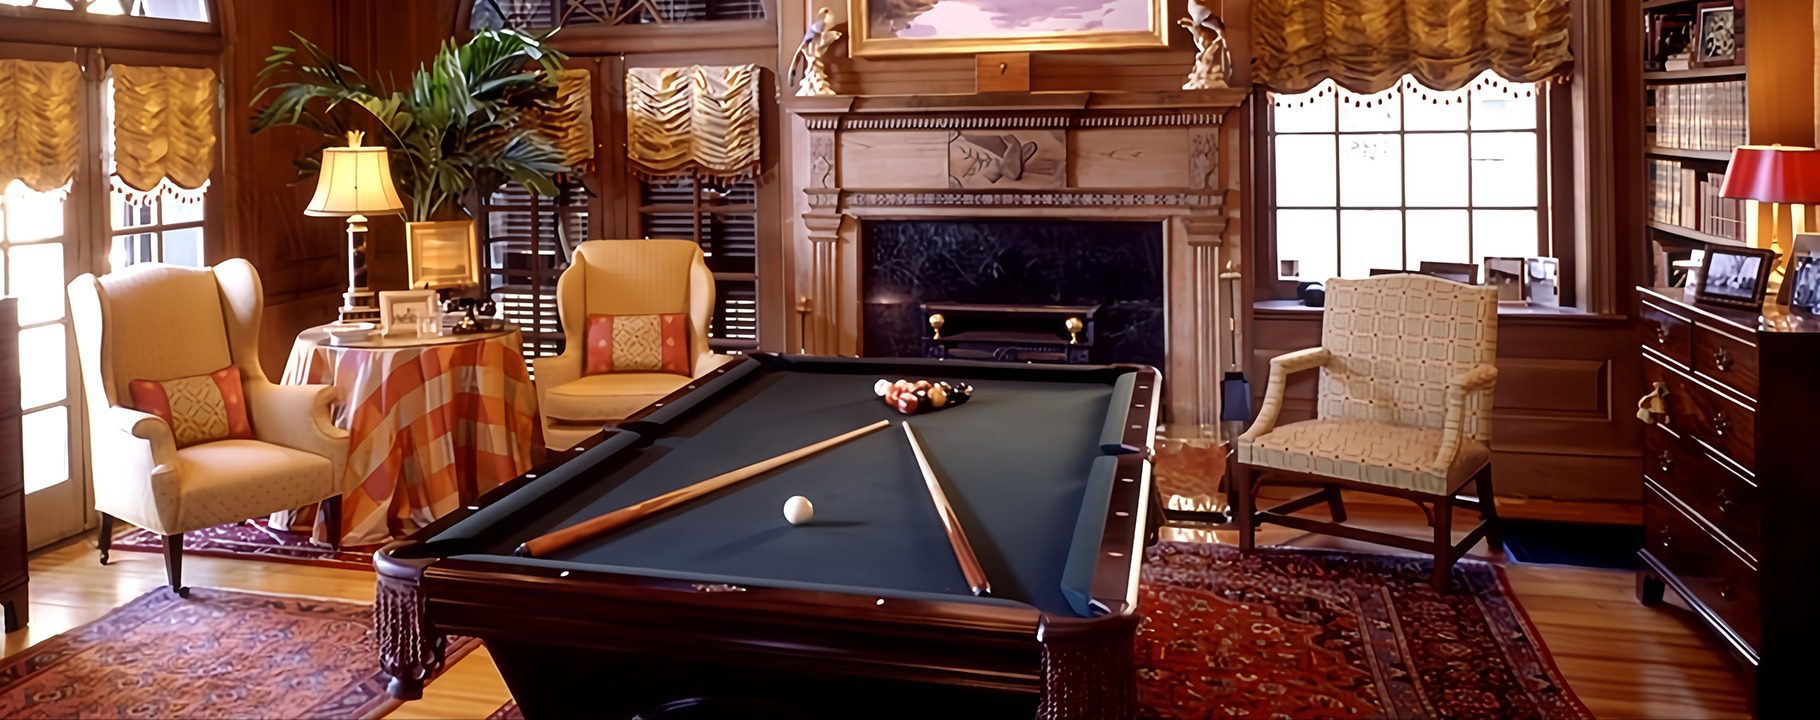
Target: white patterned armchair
[
  {"x": 1404, "y": 409},
  {"x": 162, "y": 467}
]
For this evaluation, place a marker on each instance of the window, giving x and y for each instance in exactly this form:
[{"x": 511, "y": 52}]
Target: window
[
  {"x": 159, "y": 230},
  {"x": 192, "y": 10},
  {"x": 1390, "y": 180},
  {"x": 724, "y": 220},
  {"x": 35, "y": 249},
  {"x": 573, "y": 13},
  {"x": 529, "y": 240}
]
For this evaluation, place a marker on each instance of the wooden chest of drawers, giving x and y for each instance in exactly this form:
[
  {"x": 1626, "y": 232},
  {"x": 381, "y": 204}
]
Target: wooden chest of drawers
[
  {"x": 14, "y": 601},
  {"x": 1731, "y": 477}
]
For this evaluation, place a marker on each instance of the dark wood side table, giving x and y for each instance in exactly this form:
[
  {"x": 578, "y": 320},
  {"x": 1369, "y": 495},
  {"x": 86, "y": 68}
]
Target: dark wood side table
[{"x": 13, "y": 599}]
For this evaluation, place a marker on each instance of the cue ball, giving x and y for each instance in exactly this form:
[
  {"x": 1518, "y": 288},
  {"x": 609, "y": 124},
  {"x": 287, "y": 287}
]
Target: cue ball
[{"x": 798, "y": 510}]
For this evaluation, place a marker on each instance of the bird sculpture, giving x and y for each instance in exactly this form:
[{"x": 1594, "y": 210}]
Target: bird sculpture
[
  {"x": 811, "y": 55},
  {"x": 1212, "y": 60}
]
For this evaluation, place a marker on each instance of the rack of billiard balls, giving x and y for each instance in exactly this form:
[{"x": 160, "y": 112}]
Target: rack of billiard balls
[{"x": 916, "y": 396}]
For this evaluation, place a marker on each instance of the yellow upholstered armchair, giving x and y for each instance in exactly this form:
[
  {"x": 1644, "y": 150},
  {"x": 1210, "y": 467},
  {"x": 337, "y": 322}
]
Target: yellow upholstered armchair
[
  {"x": 622, "y": 278},
  {"x": 1404, "y": 409},
  {"x": 173, "y": 325}
]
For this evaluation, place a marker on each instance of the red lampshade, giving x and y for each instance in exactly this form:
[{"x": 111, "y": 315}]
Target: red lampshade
[{"x": 1773, "y": 173}]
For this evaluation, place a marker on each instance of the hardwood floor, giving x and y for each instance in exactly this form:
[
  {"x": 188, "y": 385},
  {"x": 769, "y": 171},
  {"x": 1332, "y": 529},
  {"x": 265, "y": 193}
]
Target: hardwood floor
[{"x": 1622, "y": 659}]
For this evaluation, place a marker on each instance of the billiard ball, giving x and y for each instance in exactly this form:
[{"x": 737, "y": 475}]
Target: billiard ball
[
  {"x": 798, "y": 510},
  {"x": 881, "y": 387}
]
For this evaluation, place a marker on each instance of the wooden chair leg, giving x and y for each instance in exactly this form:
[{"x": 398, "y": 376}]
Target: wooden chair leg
[
  {"x": 173, "y": 563},
  {"x": 1650, "y": 588},
  {"x": 1244, "y": 505},
  {"x": 1488, "y": 509},
  {"x": 331, "y": 517},
  {"x": 1335, "y": 505},
  {"x": 104, "y": 538},
  {"x": 1443, "y": 548}
]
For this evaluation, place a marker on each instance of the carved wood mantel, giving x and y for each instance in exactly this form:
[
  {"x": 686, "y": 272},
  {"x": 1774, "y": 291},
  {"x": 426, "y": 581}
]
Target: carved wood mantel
[{"x": 1077, "y": 155}]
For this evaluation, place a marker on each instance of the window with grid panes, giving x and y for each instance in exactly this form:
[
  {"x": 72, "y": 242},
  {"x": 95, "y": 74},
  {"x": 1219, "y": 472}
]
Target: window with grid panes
[
  {"x": 573, "y": 13},
  {"x": 529, "y": 240},
  {"x": 724, "y": 220},
  {"x": 1410, "y": 174},
  {"x": 192, "y": 10}
]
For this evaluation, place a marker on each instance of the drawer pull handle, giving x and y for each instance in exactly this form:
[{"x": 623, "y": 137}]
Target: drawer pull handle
[
  {"x": 1666, "y": 461},
  {"x": 1662, "y": 333},
  {"x": 1651, "y": 408},
  {"x": 1722, "y": 360},
  {"x": 1726, "y": 504},
  {"x": 1721, "y": 426},
  {"x": 1726, "y": 591}
]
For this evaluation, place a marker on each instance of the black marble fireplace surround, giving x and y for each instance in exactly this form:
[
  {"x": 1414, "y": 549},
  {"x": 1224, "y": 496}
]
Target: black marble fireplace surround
[{"x": 1117, "y": 265}]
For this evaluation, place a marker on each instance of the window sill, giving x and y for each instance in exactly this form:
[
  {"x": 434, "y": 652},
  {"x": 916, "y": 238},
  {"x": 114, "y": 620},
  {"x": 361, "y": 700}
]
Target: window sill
[{"x": 1519, "y": 313}]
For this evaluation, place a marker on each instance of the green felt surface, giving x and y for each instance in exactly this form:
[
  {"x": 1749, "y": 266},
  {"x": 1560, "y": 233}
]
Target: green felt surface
[{"x": 1015, "y": 461}]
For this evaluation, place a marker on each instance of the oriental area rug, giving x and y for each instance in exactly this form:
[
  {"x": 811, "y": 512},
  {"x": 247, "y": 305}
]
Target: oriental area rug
[
  {"x": 252, "y": 540},
  {"x": 1300, "y": 633},
  {"x": 217, "y": 654}
]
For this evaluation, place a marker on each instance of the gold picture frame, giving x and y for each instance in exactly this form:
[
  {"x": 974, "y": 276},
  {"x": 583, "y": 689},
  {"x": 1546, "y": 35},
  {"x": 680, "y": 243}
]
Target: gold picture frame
[
  {"x": 866, "y": 42},
  {"x": 442, "y": 254}
]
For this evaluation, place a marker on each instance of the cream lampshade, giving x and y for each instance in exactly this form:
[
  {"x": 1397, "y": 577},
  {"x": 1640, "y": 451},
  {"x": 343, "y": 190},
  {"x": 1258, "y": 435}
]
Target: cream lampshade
[{"x": 354, "y": 182}]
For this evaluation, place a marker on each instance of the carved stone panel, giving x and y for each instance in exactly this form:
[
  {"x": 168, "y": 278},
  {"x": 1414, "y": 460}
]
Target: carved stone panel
[{"x": 1014, "y": 159}]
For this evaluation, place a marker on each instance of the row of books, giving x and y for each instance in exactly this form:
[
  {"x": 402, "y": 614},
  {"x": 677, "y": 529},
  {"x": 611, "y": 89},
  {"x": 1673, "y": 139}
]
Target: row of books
[
  {"x": 1700, "y": 116},
  {"x": 1690, "y": 198}
]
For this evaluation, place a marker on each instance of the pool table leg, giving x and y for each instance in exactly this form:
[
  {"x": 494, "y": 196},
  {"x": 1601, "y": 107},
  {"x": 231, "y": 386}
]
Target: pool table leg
[
  {"x": 410, "y": 648},
  {"x": 1091, "y": 673}
]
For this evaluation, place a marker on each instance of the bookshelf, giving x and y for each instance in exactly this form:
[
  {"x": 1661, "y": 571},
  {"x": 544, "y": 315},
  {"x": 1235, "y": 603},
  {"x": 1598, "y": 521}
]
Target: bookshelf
[{"x": 1695, "y": 110}]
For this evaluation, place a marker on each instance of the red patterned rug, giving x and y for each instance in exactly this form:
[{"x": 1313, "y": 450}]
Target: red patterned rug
[
  {"x": 217, "y": 654},
  {"x": 253, "y": 540},
  {"x": 1302, "y": 633}
]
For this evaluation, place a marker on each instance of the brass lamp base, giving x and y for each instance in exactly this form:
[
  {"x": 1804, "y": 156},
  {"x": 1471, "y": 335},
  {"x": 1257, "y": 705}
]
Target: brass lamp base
[{"x": 359, "y": 305}]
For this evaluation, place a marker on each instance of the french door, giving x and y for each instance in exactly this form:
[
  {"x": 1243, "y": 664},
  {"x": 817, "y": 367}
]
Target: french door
[{"x": 39, "y": 254}]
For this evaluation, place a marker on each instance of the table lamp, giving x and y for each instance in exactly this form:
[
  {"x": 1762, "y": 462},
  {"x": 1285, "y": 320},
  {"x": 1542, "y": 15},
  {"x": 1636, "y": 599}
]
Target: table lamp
[
  {"x": 1778, "y": 175},
  {"x": 354, "y": 182}
]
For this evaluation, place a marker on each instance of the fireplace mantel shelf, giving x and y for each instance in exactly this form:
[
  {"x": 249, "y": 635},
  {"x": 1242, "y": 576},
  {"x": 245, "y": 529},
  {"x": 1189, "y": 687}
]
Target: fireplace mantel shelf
[{"x": 1203, "y": 100}]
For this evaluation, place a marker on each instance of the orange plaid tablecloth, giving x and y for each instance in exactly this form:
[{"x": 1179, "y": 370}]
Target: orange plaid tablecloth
[{"x": 431, "y": 423}]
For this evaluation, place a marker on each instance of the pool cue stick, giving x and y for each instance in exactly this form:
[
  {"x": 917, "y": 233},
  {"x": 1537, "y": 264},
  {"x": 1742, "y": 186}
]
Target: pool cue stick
[
  {"x": 957, "y": 537},
  {"x": 558, "y": 539}
]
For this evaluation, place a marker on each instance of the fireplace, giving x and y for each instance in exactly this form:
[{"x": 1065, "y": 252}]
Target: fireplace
[
  {"x": 1010, "y": 267},
  {"x": 1127, "y": 205}
]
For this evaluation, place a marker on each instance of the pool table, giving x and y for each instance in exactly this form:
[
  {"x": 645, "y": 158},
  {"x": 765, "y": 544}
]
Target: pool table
[{"x": 720, "y": 608}]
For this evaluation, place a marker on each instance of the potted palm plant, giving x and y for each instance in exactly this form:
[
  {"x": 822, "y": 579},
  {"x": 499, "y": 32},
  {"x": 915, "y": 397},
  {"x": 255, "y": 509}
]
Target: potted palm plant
[{"x": 471, "y": 120}]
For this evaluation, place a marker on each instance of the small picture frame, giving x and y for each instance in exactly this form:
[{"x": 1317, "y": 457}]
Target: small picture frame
[
  {"x": 1804, "y": 277},
  {"x": 1734, "y": 277},
  {"x": 1805, "y": 244},
  {"x": 1542, "y": 281},
  {"x": 1718, "y": 37},
  {"x": 442, "y": 254},
  {"x": 402, "y": 312},
  {"x": 1507, "y": 275},
  {"x": 1463, "y": 273}
]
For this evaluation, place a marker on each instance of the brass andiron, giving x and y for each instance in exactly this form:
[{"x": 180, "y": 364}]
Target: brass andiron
[
  {"x": 936, "y": 322},
  {"x": 1074, "y": 327}
]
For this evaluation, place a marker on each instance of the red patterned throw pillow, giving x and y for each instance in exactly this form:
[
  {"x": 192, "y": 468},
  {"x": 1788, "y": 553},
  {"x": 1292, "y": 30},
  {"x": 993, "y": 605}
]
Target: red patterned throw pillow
[
  {"x": 637, "y": 343},
  {"x": 199, "y": 409}
]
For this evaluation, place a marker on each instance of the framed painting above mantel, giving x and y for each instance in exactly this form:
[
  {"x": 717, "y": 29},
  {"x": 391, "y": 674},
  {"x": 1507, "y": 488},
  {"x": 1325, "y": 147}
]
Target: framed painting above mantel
[{"x": 897, "y": 28}]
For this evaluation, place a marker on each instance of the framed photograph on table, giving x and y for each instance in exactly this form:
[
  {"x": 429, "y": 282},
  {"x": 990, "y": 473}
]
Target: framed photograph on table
[
  {"x": 1734, "y": 277},
  {"x": 1804, "y": 277},
  {"x": 442, "y": 254},
  {"x": 404, "y": 312},
  {"x": 894, "y": 28}
]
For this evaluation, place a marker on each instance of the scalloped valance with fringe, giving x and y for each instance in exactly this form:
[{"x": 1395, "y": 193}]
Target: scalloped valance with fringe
[
  {"x": 571, "y": 125},
  {"x": 40, "y": 130},
  {"x": 163, "y": 142},
  {"x": 698, "y": 121},
  {"x": 1366, "y": 45}
]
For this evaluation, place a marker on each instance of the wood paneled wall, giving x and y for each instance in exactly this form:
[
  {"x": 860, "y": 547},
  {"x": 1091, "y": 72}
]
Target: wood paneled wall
[{"x": 303, "y": 260}]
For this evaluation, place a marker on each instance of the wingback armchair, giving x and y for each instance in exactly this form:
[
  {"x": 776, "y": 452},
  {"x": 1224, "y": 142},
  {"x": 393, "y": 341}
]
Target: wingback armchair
[
  {"x": 1404, "y": 409},
  {"x": 155, "y": 322},
  {"x": 621, "y": 278}
]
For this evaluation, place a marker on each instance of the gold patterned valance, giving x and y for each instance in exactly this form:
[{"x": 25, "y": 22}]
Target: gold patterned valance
[
  {"x": 1366, "y": 45},
  {"x": 164, "y": 131},
  {"x": 698, "y": 121},
  {"x": 40, "y": 108},
  {"x": 571, "y": 125}
]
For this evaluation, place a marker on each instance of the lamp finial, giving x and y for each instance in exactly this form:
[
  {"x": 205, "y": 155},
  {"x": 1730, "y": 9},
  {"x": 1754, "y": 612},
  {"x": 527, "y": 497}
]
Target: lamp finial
[{"x": 354, "y": 137}]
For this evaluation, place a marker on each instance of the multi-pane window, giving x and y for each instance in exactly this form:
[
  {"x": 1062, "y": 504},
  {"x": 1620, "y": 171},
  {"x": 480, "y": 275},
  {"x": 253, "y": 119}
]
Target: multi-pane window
[
  {"x": 192, "y": 10},
  {"x": 724, "y": 221},
  {"x": 36, "y": 244},
  {"x": 529, "y": 240},
  {"x": 574, "y": 13},
  {"x": 157, "y": 229},
  {"x": 1390, "y": 180}
]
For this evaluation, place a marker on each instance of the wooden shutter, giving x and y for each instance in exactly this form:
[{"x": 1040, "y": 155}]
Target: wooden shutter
[
  {"x": 724, "y": 220},
  {"x": 529, "y": 240}
]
